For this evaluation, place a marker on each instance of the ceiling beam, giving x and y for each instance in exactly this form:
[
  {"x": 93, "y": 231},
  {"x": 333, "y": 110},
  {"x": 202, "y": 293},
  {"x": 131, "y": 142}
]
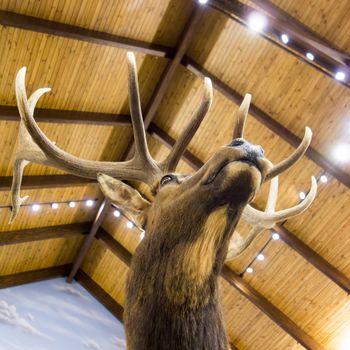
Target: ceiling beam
[
  {"x": 46, "y": 181},
  {"x": 84, "y": 248},
  {"x": 59, "y": 116},
  {"x": 288, "y": 237},
  {"x": 169, "y": 72},
  {"x": 270, "y": 123},
  {"x": 313, "y": 257},
  {"x": 33, "y": 276},
  {"x": 100, "y": 294},
  {"x": 327, "y": 60},
  {"x": 39, "y": 25},
  {"x": 43, "y": 233},
  {"x": 269, "y": 309},
  {"x": 242, "y": 286}
]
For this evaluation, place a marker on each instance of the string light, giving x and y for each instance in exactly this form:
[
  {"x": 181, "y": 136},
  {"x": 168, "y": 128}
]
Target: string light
[
  {"x": 257, "y": 21},
  {"x": 54, "y": 206},
  {"x": 202, "y": 1},
  {"x": 310, "y": 56},
  {"x": 72, "y": 204},
  {"x": 340, "y": 76},
  {"x": 89, "y": 203},
  {"x": 35, "y": 207},
  {"x": 249, "y": 269},
  {"x": 323, "y": 179},
  {"x": 261, "y": 257},
  {"x": 341, "y": 152},
  {"x": 275, "y": 236},
  {"x": 285, "y": 38},
  {"x": 129, "y": 224},
  {"x": 116, "y": 213}
]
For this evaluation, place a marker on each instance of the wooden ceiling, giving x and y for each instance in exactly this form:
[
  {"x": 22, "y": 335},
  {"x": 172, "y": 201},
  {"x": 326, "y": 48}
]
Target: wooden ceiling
[{"x": 298, "y": 297}]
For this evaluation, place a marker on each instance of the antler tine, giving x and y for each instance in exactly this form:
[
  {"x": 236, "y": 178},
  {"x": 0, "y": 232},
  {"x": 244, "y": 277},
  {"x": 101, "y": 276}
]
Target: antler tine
[
  {"x": 241, "y": 117},
  {"x": 173, "y": 158},
  {"x": 268, "y": 220},
  {"x": 136, "y": 169},
  {"x": 293, "y": 158},
  {"x": 141, "y": 149},
  {"x": 237, "y": 244}
]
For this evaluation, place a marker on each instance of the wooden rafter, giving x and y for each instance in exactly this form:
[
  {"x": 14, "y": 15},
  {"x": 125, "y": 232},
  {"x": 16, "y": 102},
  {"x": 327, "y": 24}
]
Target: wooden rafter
[
  {"x": 33, "y": 276},
  {"x": 72, "y": 32},
  {"x": 100, "y": 216},
  {"x": 100, "y": 294},
  {"x": 271, "y": 123},
  {"x": 43, "y": 233},
  {"x": 242, "y": 286},
  {"x": 45, "y": 181},
  {"x": 303, "y": 39}
]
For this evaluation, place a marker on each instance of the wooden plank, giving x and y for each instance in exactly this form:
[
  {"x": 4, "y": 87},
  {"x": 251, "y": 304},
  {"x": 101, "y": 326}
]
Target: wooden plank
[
  {"x": 43, "y": 233},
  {"x": 46, "y": 181},
  {"x": 100, "y": 294},
  {"x": 269, "y": 309},
  {"x": 100, "y": 216},
  {"x": 33, "y": 276},
  {"x": 43, "y": 115},
  {"x": 328, "y": 59},
  {"x": 269, "y": 122},
  {"x": 313, "y": 257},
  {"x": 35, "y": 24},
  {"x": 243, "y": 287}
]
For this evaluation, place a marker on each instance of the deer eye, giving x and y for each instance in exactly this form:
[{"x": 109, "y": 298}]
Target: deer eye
[{"x": 166, "y": 179}]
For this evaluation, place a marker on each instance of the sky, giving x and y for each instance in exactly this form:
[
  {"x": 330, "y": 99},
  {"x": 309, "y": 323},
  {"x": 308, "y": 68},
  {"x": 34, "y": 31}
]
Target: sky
[{"x": 54, "y": 315}]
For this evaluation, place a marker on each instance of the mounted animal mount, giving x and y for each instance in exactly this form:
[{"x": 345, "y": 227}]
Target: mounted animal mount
[{"x": 172, "y": 293}]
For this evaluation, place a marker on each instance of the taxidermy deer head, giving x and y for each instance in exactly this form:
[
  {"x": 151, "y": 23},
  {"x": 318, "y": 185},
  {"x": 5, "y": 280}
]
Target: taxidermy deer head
[{"x": 189, "y": 225}]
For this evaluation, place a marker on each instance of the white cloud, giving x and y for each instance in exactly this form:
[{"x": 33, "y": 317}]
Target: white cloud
[
  {"x": 91, "y": 344},
  {"x": 9, "y": 316},
  {"x": 71, "y": 290},
  {"x": 120, "y": 343},
  {"x": 30, "y": 317}
]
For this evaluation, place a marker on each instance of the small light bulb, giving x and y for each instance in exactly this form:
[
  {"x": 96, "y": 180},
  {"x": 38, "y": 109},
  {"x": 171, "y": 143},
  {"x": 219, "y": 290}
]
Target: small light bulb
[
  {"x": 341, "y": 152},
  {"x": 89, "y": 203},
  {"x": 323, "y": 179},
  {"x": 302, "y": 195},
  {"x": 202, "y": 1},
  {"x": 72, "y": 204},
  {"x": 142, "y": 235},
  {"x": 275, "y": 236},
  {"x": 260, "y": 257},
  {"x": 249, "y": 269},
  {"x": 129, "y": 224},
  {"x": 54, "y": 205},
  {"x": 285, "y": 38},
  {"x": 116, "y": 213},
  {"x": 257, "y": 21},
  {"x": 310, "y": 56},
  {"x": 35, "y": 207},
  {"x": 340, "y": 76}
]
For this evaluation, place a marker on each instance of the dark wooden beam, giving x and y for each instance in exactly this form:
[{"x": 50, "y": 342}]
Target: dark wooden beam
[
  {"x": 43, "y": 233},
  {"x": 100, "y": 216},
  {"x": 269, "y": 122},
  {"x": 33, "y": 276},
  {"x": 269, "y": 309},
  {"x": 45, "y": 181},
  {"x": 60, "y": 116},
  {"x": 302, "y": 40},
  {"x": 35, "y": 24},
  {"x": 233, "y": 346},
  {"x": 242, "y": 286},
  {"x": 100, "y": 294},
  {"x": 313, "y": 258}
]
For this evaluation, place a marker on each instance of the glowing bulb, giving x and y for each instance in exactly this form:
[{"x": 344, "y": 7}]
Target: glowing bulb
[
  {"x": 302, "y": 195},
  {"x": 116, "y": 213},
  {"x": 35, "y": 207},
  {"x": 202, "y": 1},
  {"x": 340, "y": 76},
  {"x": 285, "y": 38},
  {"x": 310, "y": 56},
  {"x": 249, "y": 269},
  {"x": 129, "y": 224},
  {"x": 89, "y": 203},
  {"x": 323, "y": 179},
  {"x": 341, "y": 152},
  {"x": 257, "y": 21},
  {"x": 345, "y": 342},
  {"x": 54, "y": 205},
  {"x": 142, "y": 235},
  {"x": 275, "y": 236},
  {"x": 72, "y": 204},
  {"x": 260, "y": 257}
]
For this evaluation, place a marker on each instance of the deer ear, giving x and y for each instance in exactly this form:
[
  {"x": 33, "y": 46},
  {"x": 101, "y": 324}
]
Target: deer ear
[{"x": 126, "y": 197}]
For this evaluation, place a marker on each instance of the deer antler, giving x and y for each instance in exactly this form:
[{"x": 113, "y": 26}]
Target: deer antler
[{"x": 34, "y": 146}]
